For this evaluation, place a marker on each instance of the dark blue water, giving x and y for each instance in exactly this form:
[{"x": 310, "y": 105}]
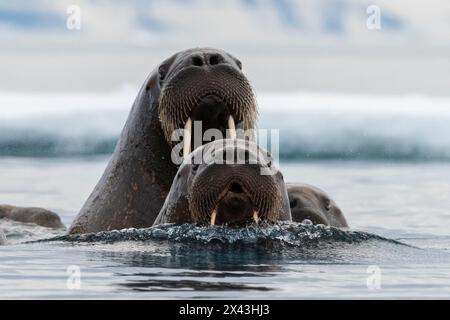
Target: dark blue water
[{"x": 398, "y": 246}]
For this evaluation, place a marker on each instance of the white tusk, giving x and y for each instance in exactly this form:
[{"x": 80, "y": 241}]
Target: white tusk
[
  {"x": 213, "y": 217},
  {"x": 232, "y": 127},
  {"x": 187, "y": 138},
  {"x": 255, "y": 217}
]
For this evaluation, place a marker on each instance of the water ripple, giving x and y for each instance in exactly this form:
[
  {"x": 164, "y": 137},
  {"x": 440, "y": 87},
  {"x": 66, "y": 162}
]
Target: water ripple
[{"x": 284, "y": 233}]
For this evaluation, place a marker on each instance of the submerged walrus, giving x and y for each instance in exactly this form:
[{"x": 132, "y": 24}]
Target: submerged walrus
[
  {"x": 232, "y": 182},
  {"x": 310, "y": 203},
  {"x": 194, "y": 85},
  {"x": 38, "y": 216}
]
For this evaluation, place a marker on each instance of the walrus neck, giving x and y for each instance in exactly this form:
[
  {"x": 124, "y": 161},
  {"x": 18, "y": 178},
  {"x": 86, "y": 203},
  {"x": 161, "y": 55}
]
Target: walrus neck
[
  {"x": 137, "y": 179},
  {"x": 144, "y": 142}
]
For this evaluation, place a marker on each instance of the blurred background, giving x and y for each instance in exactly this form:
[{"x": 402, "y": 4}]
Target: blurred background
[
  {"x": 348, "y": 79},
  {"x": 286, "y": 45},
  {"x": 355, "y": 87}
]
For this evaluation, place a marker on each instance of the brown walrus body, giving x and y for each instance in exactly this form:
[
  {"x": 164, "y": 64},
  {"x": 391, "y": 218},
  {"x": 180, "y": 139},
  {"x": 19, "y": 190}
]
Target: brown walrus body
[{"x": 194, "y": 85}]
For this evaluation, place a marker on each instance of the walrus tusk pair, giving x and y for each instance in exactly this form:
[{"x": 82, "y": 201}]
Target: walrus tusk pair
[
  {"x": 214, "y": 216},
  {"x": 187, "y": 134}
]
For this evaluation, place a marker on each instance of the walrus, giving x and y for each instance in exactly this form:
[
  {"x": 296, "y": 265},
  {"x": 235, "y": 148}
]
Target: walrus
[
  {"x": 311, "y": 203},
  {"x": 202, "y": 84},
  {"x": 227, "y": 182},
  {"x": 38, "y": 216}
]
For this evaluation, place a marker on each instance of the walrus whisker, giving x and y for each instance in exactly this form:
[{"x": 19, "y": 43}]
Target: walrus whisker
[
  {"x": 232, "y": 127},
  {"x": 187, "y": 138}
]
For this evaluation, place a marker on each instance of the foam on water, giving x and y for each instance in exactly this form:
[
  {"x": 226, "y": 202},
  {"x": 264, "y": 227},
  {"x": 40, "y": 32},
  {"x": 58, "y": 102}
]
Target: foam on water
[
  {"x": 284, "y": 233},
  {"x": 19, "y": 232},
  {"x": 291, "y": 260}
]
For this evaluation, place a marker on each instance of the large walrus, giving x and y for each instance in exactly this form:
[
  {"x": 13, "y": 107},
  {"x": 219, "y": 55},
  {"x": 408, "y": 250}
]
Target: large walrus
[
  {"x": 194, "y": 85},
  {"x": 232, "y": 182}
]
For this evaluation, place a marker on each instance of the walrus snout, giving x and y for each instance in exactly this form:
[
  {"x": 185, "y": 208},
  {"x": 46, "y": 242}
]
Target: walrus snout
[
  {"x": 207, "y": 59},
  {"x": 233, "y": 194},
  {"x": 211, "y": 112},
  {"x": 236, "y": 207}
]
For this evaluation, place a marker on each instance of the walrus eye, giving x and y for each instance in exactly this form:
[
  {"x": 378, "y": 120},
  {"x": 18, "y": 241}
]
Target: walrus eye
[
  {"x": 293, "y": 203},
  {"x": 328, "y": 204},
  {"x": 195, "y": 167},
  {"x": 269, "y": 158},
  {"x": 239, "y": 64},
  {"x": 161, "y": 72}
]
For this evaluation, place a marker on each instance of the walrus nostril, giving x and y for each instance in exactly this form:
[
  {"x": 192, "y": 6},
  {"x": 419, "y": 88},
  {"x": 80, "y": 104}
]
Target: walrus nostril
[
  {"x": 236, "y": 188},
  {"x": 214, "y": 59},
  {"x": 197, "y": 61},
  {"x": 247, "y": 156},
  {"x": 293, "y": 203}
]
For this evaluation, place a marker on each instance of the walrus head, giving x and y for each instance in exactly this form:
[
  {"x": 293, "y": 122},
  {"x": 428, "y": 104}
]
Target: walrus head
[
  {"x": 311, "y": 203},
  {"x": 232, "y": 182},
  {"x": 206, "y": 85}
]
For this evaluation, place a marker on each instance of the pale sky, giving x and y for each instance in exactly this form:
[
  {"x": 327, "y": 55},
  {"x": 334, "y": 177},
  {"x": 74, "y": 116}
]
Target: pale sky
[{"x": 285, "y": 45}]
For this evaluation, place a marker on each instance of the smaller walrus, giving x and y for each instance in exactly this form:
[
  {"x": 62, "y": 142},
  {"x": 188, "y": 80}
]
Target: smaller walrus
[
  {"x": 311, "y": 203},
  {"x": 38, "y": 216},
  {"x": 230, "y": 182}
]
